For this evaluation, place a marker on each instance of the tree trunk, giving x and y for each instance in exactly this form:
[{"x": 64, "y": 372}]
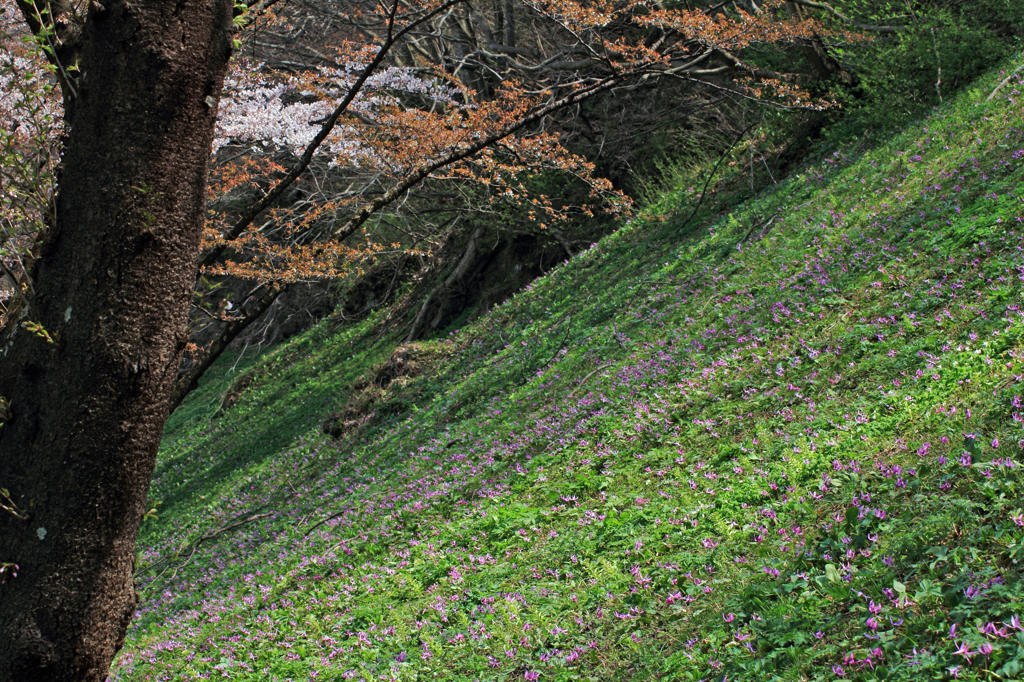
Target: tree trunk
[
  {"x": 815, "y": 51},
  {"x": 468, "y": 258},
  {"x": 112, "y": 287},
  {"x": 509, "y": 23}
]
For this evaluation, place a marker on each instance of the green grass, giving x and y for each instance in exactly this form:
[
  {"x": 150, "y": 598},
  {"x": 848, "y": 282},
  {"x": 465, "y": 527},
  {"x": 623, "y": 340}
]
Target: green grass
[{"x": 783, "y": 445}]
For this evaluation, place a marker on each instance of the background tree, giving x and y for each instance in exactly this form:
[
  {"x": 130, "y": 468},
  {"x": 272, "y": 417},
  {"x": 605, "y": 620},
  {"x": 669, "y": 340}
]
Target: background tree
[{"x": 445, "y": 138}]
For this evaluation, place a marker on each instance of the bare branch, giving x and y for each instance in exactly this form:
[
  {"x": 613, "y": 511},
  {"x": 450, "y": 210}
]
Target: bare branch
[
  {"x": 277, "y": 190},
  {"x": 1004, "y": 82},
  {"x": 420, "y": 173},
  {"x": 252, "y": 309}
]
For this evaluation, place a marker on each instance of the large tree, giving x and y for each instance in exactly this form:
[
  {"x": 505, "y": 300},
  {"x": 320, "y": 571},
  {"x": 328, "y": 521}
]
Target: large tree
[{"x": 87, "y": 365}]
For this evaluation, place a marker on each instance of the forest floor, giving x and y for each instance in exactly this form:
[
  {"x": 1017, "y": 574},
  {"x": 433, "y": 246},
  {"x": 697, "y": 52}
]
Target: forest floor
[{"x": 781, "y": 443}]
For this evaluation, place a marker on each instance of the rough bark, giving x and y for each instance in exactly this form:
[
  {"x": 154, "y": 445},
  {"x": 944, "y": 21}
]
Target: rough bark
[{"x": 112, "y": 286}]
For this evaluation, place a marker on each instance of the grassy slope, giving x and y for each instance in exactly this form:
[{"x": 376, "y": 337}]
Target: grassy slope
[{"x": 676, "y": 457}]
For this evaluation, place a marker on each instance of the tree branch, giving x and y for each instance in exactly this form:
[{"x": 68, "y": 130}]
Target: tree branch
[
  {"x": 458, "y": 273},
  {"x": 277, "y": 190},
  {"x": 252, "y": 309},
  {"x": 61, "y": 41},
  {"x": 424, "y": 170},
  {"x": 1004, "y": 82},
  {"x": 712, "y": 175}
]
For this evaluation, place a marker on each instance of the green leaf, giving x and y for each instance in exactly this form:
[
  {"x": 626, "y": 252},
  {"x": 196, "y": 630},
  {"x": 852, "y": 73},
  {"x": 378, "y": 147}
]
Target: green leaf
[
  {"x": 971, "y": 446},
  {"x": 851, "y": 517}
]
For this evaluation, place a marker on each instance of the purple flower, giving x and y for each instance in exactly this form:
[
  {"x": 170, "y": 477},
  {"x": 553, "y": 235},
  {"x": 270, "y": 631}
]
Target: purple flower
[
  {"x": 964, "y": 650},
  {"x": 531, "y": 675},
  {"x": 971, "y": 591}
]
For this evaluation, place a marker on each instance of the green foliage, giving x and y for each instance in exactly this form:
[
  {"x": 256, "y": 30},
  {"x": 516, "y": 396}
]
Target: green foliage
[
  {"x": 786, "y": 445},
  {"x": 38, "y": 329},
  {"x": 898, "y": 74}
]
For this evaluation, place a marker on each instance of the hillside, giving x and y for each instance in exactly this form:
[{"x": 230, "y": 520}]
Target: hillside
[{"x": 780, "y": 444}]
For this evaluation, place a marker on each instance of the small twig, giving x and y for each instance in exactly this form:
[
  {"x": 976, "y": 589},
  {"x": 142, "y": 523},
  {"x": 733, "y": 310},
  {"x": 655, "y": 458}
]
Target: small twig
[
  {"x": 320, "y": 523},
  {"x": 584, "y": 379},
  {"x": 765, "y": 162},
  {"x": 568, "y": 328},
  {"x": 618, "y": 337},
  {"x": 205, "y": 538},
  {"x": 1004, "y": 82},
  {"x": 13, "y": 508},
  {"x": 938, "y": 83},
  {"x": 712, "y": 175},
  {"x": 763, "y": 226},
  {"x": 834, "y": 12},
  {"x": 558, "y": 347},
  {"x": 211, "y": 536},
  {"x": 707, "y": 303},
  {"x": 240, "y": 355},
  {"x": 17, "y": 284},
  {"x": 752, "y": 166},
  {"x": 205, "y": 312}
]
